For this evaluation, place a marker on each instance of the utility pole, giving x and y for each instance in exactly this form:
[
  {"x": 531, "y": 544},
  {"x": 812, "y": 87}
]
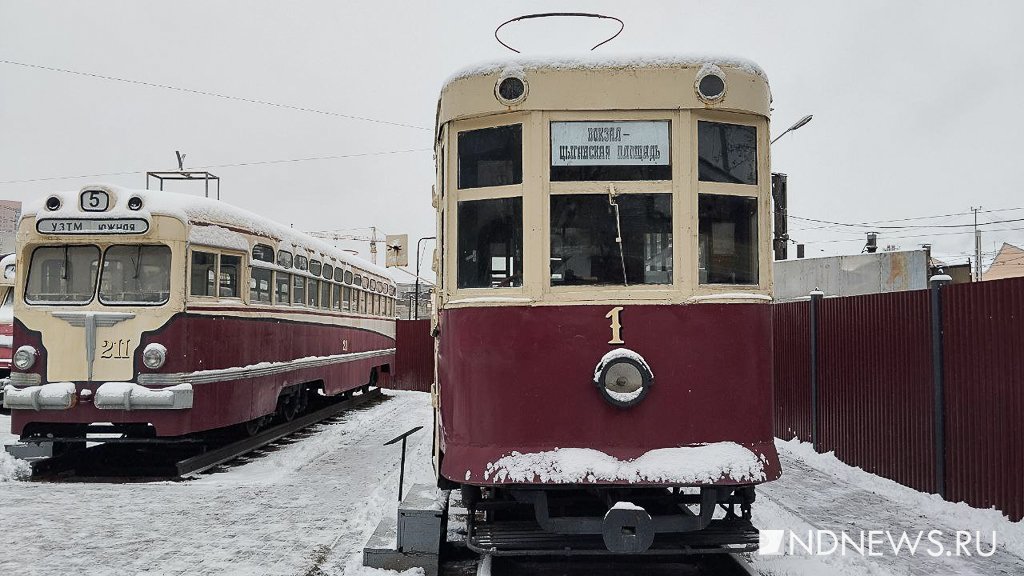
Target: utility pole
[{"x": 977, "y": 246}]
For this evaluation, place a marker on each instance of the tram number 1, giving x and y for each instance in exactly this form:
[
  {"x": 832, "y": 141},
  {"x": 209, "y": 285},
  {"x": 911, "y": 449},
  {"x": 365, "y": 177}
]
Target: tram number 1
[
  {"x": 616, "y": 326},
  {"x": 115, "y": 348}
]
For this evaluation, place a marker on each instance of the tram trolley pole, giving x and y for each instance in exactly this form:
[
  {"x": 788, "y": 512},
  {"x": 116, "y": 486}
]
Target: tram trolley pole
[{"x": 401, "y": 472}]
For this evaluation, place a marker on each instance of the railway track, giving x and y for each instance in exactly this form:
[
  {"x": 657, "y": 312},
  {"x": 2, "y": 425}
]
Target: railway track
[
  {"x": 697, "y": 565},
  {"x": 115, "y": 460}
]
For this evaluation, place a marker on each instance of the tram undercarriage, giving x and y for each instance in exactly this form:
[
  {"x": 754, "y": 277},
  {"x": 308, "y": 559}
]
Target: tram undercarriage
[{"x": 594, "y": 521}]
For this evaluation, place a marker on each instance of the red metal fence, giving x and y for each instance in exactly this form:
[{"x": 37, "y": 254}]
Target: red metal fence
[
  {"x": 876, "y": 389},
  {"x": 414, "y": 357}
]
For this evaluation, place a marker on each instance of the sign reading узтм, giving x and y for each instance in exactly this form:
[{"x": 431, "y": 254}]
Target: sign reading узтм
[
  {"x": 609, "y": 143},
  {"x": 92, "y": 226}
]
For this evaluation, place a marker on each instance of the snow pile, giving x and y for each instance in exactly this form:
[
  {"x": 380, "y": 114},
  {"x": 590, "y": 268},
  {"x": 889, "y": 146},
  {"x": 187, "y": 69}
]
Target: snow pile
[
  {"x": 218, "y": 237},
  {"x": 960, "y": 514},
  {"x": 684, "y": 465},
  {"x": 129, "y": 396},
  {"x": 625, "y": 396},
  {"x": 11, "y": 468},
  {"x": 621, "y": 353}
]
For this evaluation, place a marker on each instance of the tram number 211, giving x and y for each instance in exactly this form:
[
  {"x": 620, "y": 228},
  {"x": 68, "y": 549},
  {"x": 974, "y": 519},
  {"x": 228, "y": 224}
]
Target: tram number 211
[{"x": 115, "y": 348}]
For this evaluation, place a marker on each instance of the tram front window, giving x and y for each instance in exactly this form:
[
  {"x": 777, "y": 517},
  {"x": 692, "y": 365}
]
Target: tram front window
[
  {"x": 727, "y": 153},
  {"x": 728, "y": 239},
  {"x": 490, "y": 243},
  {"x": 136, "y": 274},
  {"x": 62, "y": 275},
  {"x": 584, "y": 229}
]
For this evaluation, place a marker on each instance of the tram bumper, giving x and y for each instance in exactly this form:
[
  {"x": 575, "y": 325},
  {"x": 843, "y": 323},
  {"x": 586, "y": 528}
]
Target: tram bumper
[{"x": 108, "y": 396}]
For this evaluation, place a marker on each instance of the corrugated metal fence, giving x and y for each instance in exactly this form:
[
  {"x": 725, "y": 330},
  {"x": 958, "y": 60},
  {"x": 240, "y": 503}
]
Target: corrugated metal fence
[
  {"x": 414, "y": 357},
  {"x": 876, "y": 389}
]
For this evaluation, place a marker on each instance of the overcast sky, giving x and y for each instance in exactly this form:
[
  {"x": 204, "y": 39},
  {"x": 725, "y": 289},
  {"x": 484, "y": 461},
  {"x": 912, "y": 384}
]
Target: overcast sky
[{"x": 916, "y": 104}]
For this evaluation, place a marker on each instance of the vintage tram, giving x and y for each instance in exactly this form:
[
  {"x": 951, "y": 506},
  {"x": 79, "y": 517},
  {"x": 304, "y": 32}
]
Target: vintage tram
[
  {"x": 166, "y": 315},
  {"x": 604, "y": 356}
]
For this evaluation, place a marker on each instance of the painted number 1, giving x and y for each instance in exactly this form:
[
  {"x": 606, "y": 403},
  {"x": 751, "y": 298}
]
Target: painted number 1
[{"x": 616, "y": 325}]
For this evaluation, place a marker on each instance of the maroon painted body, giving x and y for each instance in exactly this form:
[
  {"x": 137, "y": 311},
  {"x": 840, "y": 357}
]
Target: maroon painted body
[
  {"x": 521, "y": 379},
  {"x": 204, "y": 342}
]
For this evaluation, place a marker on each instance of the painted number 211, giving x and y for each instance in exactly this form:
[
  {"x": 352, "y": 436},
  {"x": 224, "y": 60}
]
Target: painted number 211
[{"x": 616, "y": 326}]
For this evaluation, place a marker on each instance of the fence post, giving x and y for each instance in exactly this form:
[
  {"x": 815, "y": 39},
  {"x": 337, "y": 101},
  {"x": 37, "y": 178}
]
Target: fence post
[
  {"x": 938, "y": 381},
  {"x": 815, "y": 303}
]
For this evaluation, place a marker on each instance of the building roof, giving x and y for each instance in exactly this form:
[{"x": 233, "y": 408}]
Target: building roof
[{"x": 1009, "y": 263}]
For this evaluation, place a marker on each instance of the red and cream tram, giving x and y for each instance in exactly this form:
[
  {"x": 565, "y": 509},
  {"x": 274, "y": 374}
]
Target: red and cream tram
[
  {"x": 604, "y": 353},
  {"x": 167, "y": 315}
]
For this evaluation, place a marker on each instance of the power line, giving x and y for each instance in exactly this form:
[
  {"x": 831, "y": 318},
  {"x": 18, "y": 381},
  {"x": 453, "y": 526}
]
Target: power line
[
  {"x": 213, "y": 94},
  {"x": 876, "y": 227},
  {"x": 233, "y": 165}
]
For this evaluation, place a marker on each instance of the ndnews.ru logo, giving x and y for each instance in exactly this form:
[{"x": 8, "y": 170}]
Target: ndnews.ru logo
[{"x": 933, "y": 543}]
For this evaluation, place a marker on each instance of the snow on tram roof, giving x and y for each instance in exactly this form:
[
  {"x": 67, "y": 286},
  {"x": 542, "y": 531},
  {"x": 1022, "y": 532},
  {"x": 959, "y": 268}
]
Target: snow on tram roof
[
  {"x": 196, "y": 209},
  {"x": 590, "y": 61}
]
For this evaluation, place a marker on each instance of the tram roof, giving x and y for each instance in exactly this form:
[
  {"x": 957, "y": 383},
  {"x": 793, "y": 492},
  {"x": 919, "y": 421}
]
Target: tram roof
[
  {"x": 193, "y": 210},
  {"x": 604, "y": 62},
  {"x": 602, "y": 82}
]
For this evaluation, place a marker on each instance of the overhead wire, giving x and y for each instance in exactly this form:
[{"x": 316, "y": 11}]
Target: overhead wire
[
  {"x": 213, "y": 94},
  {"x": 229, "y": 165}
]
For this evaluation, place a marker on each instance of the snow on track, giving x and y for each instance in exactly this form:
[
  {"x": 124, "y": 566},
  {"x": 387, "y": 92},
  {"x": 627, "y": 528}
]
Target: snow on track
[
  {"x": 819, "y": 492},
  {"x": 304, "y": 506}
]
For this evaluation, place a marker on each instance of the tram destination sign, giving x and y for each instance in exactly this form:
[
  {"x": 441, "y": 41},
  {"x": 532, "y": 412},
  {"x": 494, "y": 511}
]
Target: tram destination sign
[
  {"x": 626, "y": 143},
  {"x": 92, "y": 226}
]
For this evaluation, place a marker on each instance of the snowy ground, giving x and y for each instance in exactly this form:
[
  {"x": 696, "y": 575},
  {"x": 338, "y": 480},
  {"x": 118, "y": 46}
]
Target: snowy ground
[
  {"x": 306, "y": 507},
  {"x": 302, "y": 508},
  {"x": 818, "y": 492}
]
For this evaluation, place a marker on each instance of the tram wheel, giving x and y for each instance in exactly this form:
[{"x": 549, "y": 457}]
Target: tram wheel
[{"x": 289, "y": 408}]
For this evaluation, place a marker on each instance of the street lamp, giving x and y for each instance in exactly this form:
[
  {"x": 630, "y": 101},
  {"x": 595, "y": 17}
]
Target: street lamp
[
  {"x": 799, "y": 124},
  {"x": 417, "y": 290},
  {"x": 779, "y": 198}
]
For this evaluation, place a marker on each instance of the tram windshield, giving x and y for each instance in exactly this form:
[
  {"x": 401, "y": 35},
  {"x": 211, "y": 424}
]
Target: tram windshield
[
  {"x": 62, "y": 275},
  {"x": 131, "y": 274},
  {"x": 584, "y": 249},
  {"x": 136, "y": 274}
]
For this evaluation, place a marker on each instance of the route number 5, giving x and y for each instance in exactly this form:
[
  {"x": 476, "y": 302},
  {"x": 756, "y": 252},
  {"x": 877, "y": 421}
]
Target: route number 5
[{"x": 616, "y": 325}]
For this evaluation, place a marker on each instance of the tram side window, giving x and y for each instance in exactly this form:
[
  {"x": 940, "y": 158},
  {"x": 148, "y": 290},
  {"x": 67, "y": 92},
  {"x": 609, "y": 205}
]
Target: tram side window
[
  {"x": 312, "y": 292},
  {"x": 204, "y": 274},
  {"x": 65, "y": 274},
  {"x": 136, "y": 274},
  {"x": 263, "y": 253},
  {"x": 282, "y": 294},
  {"x": 727, "y": 153},
  {"x": 584, "y": 250},
  {"x": 230, "y": 266},
  {"x": 260, "y": 286},
  {"x": 299, "y": 290},
  {"x": 728, "y": 239},
  {"x": 491, "y": 157},
  {"x": 284, "y": 259},
  {"x": 336, "y": 303},
  {"x": 325, "y": 294},
  {"x": 346, "y": 300},
  {"x": 490, "y": 243}
]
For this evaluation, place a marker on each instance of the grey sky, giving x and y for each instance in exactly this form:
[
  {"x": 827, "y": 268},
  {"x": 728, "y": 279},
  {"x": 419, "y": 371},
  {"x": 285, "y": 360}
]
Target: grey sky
[{"x": 914, "y": 103}]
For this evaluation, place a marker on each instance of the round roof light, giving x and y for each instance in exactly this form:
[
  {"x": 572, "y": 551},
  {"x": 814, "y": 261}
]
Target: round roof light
[
  {"x": 135, "y": 203},
  {"x": 511, "y": 90},
  {"x": 710, "y": 84},
  {"x": 53, "y": 203}
]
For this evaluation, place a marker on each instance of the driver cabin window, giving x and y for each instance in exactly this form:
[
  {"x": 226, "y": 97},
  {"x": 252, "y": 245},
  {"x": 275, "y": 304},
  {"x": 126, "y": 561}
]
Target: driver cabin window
[
  {"x": 726, "y": 153},
  {"x": 490, "y": 243},
  {"x": 491, "y": 157},
  {"x": 584, "y": 233},
  {"x": 728, "y": 239}
]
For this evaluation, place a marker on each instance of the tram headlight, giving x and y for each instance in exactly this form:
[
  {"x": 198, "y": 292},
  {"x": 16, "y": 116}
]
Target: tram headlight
[
  {"x": 154, "y": 356},
  {"x": 623, "y": 378},
  {"x": 511, "y": 90},
  {"x": 135, "y": 203},
  {"x": 53, "y": 203},
  {"x": 25, "y": 357}
]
